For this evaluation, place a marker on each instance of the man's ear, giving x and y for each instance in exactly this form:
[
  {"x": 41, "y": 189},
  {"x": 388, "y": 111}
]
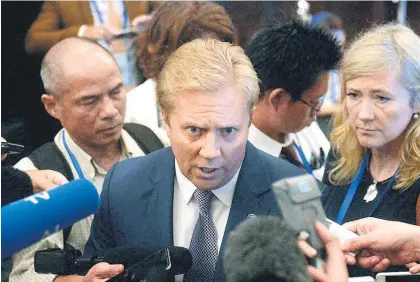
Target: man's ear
[
  {"x": 277, "y": 98},
  {"x": 165, "y": 120},
  {"x": 50, "y": 104}
]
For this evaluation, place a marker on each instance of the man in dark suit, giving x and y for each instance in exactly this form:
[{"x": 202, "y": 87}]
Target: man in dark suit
[{"x": 195, "y": 192}]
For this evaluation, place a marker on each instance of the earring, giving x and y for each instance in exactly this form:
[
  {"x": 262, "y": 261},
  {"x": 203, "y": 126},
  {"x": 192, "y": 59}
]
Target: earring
[{"x": 416, "y": 116}]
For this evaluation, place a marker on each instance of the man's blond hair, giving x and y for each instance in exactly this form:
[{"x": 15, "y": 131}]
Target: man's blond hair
[{"x": 206, "y": 65}]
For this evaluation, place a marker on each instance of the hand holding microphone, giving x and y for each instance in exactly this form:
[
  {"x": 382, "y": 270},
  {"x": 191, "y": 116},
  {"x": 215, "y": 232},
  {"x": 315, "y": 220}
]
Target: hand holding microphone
[{"x": 148, "y": 263}]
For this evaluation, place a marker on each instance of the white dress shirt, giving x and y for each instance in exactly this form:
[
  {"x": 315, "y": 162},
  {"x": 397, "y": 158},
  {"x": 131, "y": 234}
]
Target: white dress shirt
[
  {"x": 23, "y": 261},
  {"x": 310, "y": 139},
  {"x": 186, "y": 211},
  {"x": 142, "y": 108}
]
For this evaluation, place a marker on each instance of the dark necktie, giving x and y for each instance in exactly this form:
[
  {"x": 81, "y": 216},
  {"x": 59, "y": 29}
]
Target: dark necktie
[
  {"x": 203, "y": 246},
  {"x": 289, "y": 154}
]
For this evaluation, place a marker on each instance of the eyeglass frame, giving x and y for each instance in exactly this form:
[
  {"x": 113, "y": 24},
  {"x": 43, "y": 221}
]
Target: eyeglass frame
[{"x": 318, "y": 105}]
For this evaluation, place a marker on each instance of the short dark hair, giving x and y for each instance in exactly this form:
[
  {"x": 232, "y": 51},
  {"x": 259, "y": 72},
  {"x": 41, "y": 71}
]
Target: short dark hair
[{"x": 292, "y": 57}]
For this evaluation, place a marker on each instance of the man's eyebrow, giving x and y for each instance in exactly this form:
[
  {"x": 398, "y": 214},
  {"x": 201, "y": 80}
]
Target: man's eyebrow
[{"x": 119, "y": 85}]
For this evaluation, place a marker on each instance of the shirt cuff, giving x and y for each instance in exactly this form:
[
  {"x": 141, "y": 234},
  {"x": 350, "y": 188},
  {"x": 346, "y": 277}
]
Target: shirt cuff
[{"x": 81, "y": 31}]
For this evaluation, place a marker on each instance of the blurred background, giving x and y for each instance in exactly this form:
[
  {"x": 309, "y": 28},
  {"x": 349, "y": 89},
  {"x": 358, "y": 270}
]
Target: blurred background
[{"x": 23, "y": 118}]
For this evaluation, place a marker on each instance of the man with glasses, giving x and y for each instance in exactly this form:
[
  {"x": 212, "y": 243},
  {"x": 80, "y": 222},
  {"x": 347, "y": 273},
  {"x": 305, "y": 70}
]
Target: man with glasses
[{"x": 292, "y": 62}]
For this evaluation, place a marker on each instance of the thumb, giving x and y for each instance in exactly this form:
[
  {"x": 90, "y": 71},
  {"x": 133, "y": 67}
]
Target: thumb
[
  {"x": 113, "y": 270},
  {"x": 56, "y": 178},
  {"x": 366, "y": 241}
]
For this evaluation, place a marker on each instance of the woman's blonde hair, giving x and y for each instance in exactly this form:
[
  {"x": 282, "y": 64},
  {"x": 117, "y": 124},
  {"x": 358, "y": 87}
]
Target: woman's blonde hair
[
  {"x": 396, "y": 48},
  {"x": 176, "y": 23},
  {"x": 206, "y": 65}
]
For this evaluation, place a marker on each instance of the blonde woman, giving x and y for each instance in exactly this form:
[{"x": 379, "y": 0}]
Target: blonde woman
[{"x": 376, "y": 138}]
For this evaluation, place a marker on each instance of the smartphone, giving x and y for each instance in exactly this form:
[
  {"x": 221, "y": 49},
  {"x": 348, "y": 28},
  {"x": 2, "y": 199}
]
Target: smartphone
[
  {"x": 342, "y": 233},
  {"x": 126, "y": 33},
  {"x": 11, "y": 148},
  {"x": 397, "y": 277}
]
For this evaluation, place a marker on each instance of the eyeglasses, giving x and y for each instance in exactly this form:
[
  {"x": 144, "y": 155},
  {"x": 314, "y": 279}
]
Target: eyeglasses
[{"x": 317, "y": 106}]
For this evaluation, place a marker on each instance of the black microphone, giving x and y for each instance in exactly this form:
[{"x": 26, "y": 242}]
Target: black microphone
[
  {"x": 145, "y": 257},
  {"x": 158, "y": 273},
  {"x": 137, "y": 261},
  {"x": 264, "y": 249},
  {"x": 15, "y": 185}
]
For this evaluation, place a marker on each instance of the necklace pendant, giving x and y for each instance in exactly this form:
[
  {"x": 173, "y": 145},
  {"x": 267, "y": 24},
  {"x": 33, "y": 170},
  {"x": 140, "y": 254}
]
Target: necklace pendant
[{"x": 371, "y": 193}]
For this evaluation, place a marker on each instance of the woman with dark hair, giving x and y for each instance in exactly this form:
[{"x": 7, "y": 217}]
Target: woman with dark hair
[{"x": 173, "y": 24}]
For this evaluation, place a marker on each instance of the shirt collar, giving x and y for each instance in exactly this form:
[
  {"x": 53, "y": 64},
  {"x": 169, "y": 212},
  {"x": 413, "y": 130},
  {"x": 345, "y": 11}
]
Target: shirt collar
[
  {"x": 86, "y": 163},
  {"x": 187, "y": 188},
  {"x": 265, "y": 143}
]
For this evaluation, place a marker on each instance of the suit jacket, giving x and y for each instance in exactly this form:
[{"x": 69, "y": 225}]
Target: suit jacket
[
  {"x": 137, "y": 200},
  {"x": 62, "y": 19}
]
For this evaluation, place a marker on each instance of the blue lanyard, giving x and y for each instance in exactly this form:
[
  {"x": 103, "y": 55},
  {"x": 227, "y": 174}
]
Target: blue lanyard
[
  {"x": 73, "y": 158},
  {"x": 353, "y": 188},
  {"x": 306, "y": 164},
  {"x": 101, "y": 20}
]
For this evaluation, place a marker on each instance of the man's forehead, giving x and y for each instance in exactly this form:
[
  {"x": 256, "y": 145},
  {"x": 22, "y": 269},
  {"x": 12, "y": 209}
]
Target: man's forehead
[{"x": 319, "y": 89}]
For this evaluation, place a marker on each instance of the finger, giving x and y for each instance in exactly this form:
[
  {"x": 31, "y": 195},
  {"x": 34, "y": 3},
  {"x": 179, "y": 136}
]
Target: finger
[
  {"x": 39, "y": 180},
  {"x": 382, "y": 265},
  {"x": 104, "y": 270},
  {"x": 350, "y": 259},
  {"x": 352, "y": 225},
  {"x": 368, "y": 262},
  {"x": 110, "y": 30},
  {"x": 331, "y": 241},
  {"x": 415, "y": 269},
  {"x": 307, "y": 250},
  {"x": 366, "y": 241},
  {"x": 57, "y": 178},
  {"x": 316, "y": 274},
  {"x": 409, "y": 265}
]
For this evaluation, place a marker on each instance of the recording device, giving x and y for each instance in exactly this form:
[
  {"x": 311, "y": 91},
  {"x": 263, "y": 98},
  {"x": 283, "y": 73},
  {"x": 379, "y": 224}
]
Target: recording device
[
  {"x": 299, "y": 201},
  {"x": 397, "y": 277},
  {"x": 15, "y": 185},
  {"x": 173, "y": 261},
  {"x": 264, "y": 249},
  {"x": 11, "y": 148},
  {"x": 63, "y": 262},
  {"x": 152, "y": 263},
  {"x": 33, "y": 218}
]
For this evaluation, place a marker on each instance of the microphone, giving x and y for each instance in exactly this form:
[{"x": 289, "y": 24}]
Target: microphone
[
  {"x": 33, "y": 218},
  {"x": 15, "y": 185},
  {"x": 264, "y": 249},
  {"x": 157, "y": 273},
  {"x": 148, "y": 261},
  {"x": 140, "y": 263}
]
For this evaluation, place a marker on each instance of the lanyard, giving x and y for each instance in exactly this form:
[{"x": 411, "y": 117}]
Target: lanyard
[
  {"x": 306, "y": 164},
  {"x": 353, "y": 188},
  {"x": 73, "y": 158},
  {"x": 101, "y": 20}
]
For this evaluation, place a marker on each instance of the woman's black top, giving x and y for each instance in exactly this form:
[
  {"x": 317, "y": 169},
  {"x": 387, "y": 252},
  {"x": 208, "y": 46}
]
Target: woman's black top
[{"x": 398, "y": 205}]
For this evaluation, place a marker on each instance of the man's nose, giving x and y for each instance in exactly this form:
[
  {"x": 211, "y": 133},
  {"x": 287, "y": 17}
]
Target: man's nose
[
  {"x": 210, "y": 148},
  {"x": 109, "y": 109}
]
